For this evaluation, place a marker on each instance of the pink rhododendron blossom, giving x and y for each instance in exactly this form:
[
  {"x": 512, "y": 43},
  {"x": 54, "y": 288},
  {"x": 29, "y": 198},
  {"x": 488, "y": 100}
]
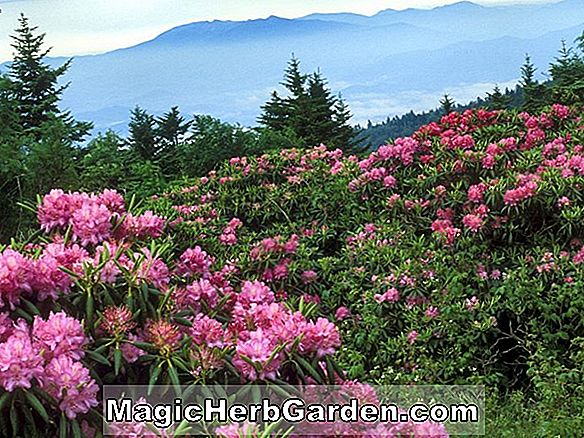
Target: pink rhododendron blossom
[
  {"x": 207, "y": 332},
  {"x": 432, "y": 312},
  {"x": 412, "y": 336},
  {"x": 390, "y": 296},
  {"x": 308, "y": 277},
  {"x": 254, "y": 293},
  {"x": 258, "y": 349},
  {"x": 20, "y": 362},
  {"x": 91, "y": 223},
  {"x": 16, "y": 276},
  {"x": 130, "y": 352},
  {"x": 342, "y": 313},
  {"x": 152, "y": 270},
  {"x": 163, "y": 334},
  {"x": 473, "y": 222},
  {"x": 524, "y": 191},
  {"x": 476, "y": 192},
  {"x": 59, "y": 335},
  {"x": 194, "y": 261},
  {"x": 70, "y": 383},
  {"x": 471, "y": 303},
  {"x": 321, "y": 337},
  {"x": 145, "y": 225},
  {"x": 117, "y": 320}
]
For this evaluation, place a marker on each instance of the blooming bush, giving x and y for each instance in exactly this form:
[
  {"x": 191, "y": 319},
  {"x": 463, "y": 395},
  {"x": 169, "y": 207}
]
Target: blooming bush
[
  {"x": 452, "y": 256},
  {"x": 106, "y": 299}
]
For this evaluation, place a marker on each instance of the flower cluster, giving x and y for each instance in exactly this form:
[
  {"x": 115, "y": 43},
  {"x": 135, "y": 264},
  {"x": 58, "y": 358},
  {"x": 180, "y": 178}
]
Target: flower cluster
[
  {"x": 95, "y": 218},
  {"x": 48, "y": 353}
]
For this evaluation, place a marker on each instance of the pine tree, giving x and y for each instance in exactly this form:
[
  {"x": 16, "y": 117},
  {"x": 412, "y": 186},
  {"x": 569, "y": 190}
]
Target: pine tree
[
  {"x": 275, "y": 113},
  {"x": 310, "y": 112},
  {"x": 143, "y": 137},
  {"x": 9, "y": 120},
  {"x": 294, "y": 80},
  {"x": 36, "y": 90},
  {"x": 319, "y": 124},
  {"x": 534, "y": 93},
  {"x": 171, "y": 127},
  {"x": 344, "y": 136},
  {"x": 567, "y": 76},
  {"x": 447, "y": 104},
  {"x": 497, "y": 100},
  {"x": 51, "y": 160}
]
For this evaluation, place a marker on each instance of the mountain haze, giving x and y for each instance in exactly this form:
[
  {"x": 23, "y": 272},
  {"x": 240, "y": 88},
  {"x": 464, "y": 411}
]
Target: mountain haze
[{"x": 385, "y": 64}]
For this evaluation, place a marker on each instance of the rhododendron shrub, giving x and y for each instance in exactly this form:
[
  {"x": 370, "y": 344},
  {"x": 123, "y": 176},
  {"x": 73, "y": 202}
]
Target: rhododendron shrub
[
  {"x": 453, "y": 255},
  {"x": 105, "y": 298}
]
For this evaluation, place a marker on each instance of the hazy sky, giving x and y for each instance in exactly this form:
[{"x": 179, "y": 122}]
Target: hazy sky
[{"x": 92, "y": 26}]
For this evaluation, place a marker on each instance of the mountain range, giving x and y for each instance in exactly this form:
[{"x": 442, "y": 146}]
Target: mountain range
[{"x": 383, "y": 64}]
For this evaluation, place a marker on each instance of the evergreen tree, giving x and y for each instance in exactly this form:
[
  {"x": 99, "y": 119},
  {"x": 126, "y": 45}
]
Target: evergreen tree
[
  {"x": 497, "y": 100},
  {"x": 344, "y": 135},
  {"x": 319, "y": 124},
  {"x": 9, "y": 120},
  {"x": 275, "y": 113},
  {"x": 143, "y": 137},
  {"x": 310, "y": 112},
  {"x": 580, "y": 42},
  {"x": 171, "y": 129},
  {"x": 36, "y": 90},
  {"x": 294, "y": 80},
  {"x": 447, "y": 104},
  {"x": 567, "y": 77},
  {"x": 534, "y": 93},
  {"x": 52, "y": 160},
  {"x": 172, "y": 126}
]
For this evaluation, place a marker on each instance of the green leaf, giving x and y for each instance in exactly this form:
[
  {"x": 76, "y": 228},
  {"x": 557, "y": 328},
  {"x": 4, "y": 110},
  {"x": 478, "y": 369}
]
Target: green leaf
[
  {"x": 157, "y": 369},
  {"x": 89, "y": 312},
  {"x": 173, "y": 375},
  {"x": 37, "y": 405},
  {"x": 76, "y": 429},
  {"x": 117, "y": 361},
  {"x": 98, "y": 358},
  {"x": 4, "y": 399},
  {"x": 30, "y": 307},
  {"x": 63, "y": 426},
  {"x": 311, "y": 370},
  {"x": 14, "y": 418}
]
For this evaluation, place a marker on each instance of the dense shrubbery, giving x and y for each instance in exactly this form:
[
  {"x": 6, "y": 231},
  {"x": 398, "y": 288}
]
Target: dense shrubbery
[{"x": 450, "y": 256}]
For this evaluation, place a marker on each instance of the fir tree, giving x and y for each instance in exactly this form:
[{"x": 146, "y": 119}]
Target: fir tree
[
  {"x": 319, "y": 125},
  {"x": 534, "y": 93},
  {"x": 497, "y": 100},
  {"x": 310, "y": 112},
  {"x": 294, "y": 80},
  {"x": 36, "y": 90},
  {"x": 9, "y": 120},
  {"x": 275, "y": 113},
  {"x": 447, "y": 104},
  {"x": 568, "y": 76},
  {"x": 143, "y": 137},
  {"x": 344, "y": 135},
  {"x": 171, "y": 127}
]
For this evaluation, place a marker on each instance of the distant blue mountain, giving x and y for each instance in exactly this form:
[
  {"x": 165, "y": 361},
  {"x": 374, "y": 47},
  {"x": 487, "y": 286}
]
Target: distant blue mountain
[{"x": 384, "y": 64}]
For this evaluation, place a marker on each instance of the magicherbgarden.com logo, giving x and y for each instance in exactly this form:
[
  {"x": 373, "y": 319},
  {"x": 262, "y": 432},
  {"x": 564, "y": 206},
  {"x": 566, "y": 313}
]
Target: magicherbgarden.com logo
[{"x": 308, "y": 410}]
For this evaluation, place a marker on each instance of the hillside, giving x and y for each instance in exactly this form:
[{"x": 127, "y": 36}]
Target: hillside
[{"x": 453, "y": 256}]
